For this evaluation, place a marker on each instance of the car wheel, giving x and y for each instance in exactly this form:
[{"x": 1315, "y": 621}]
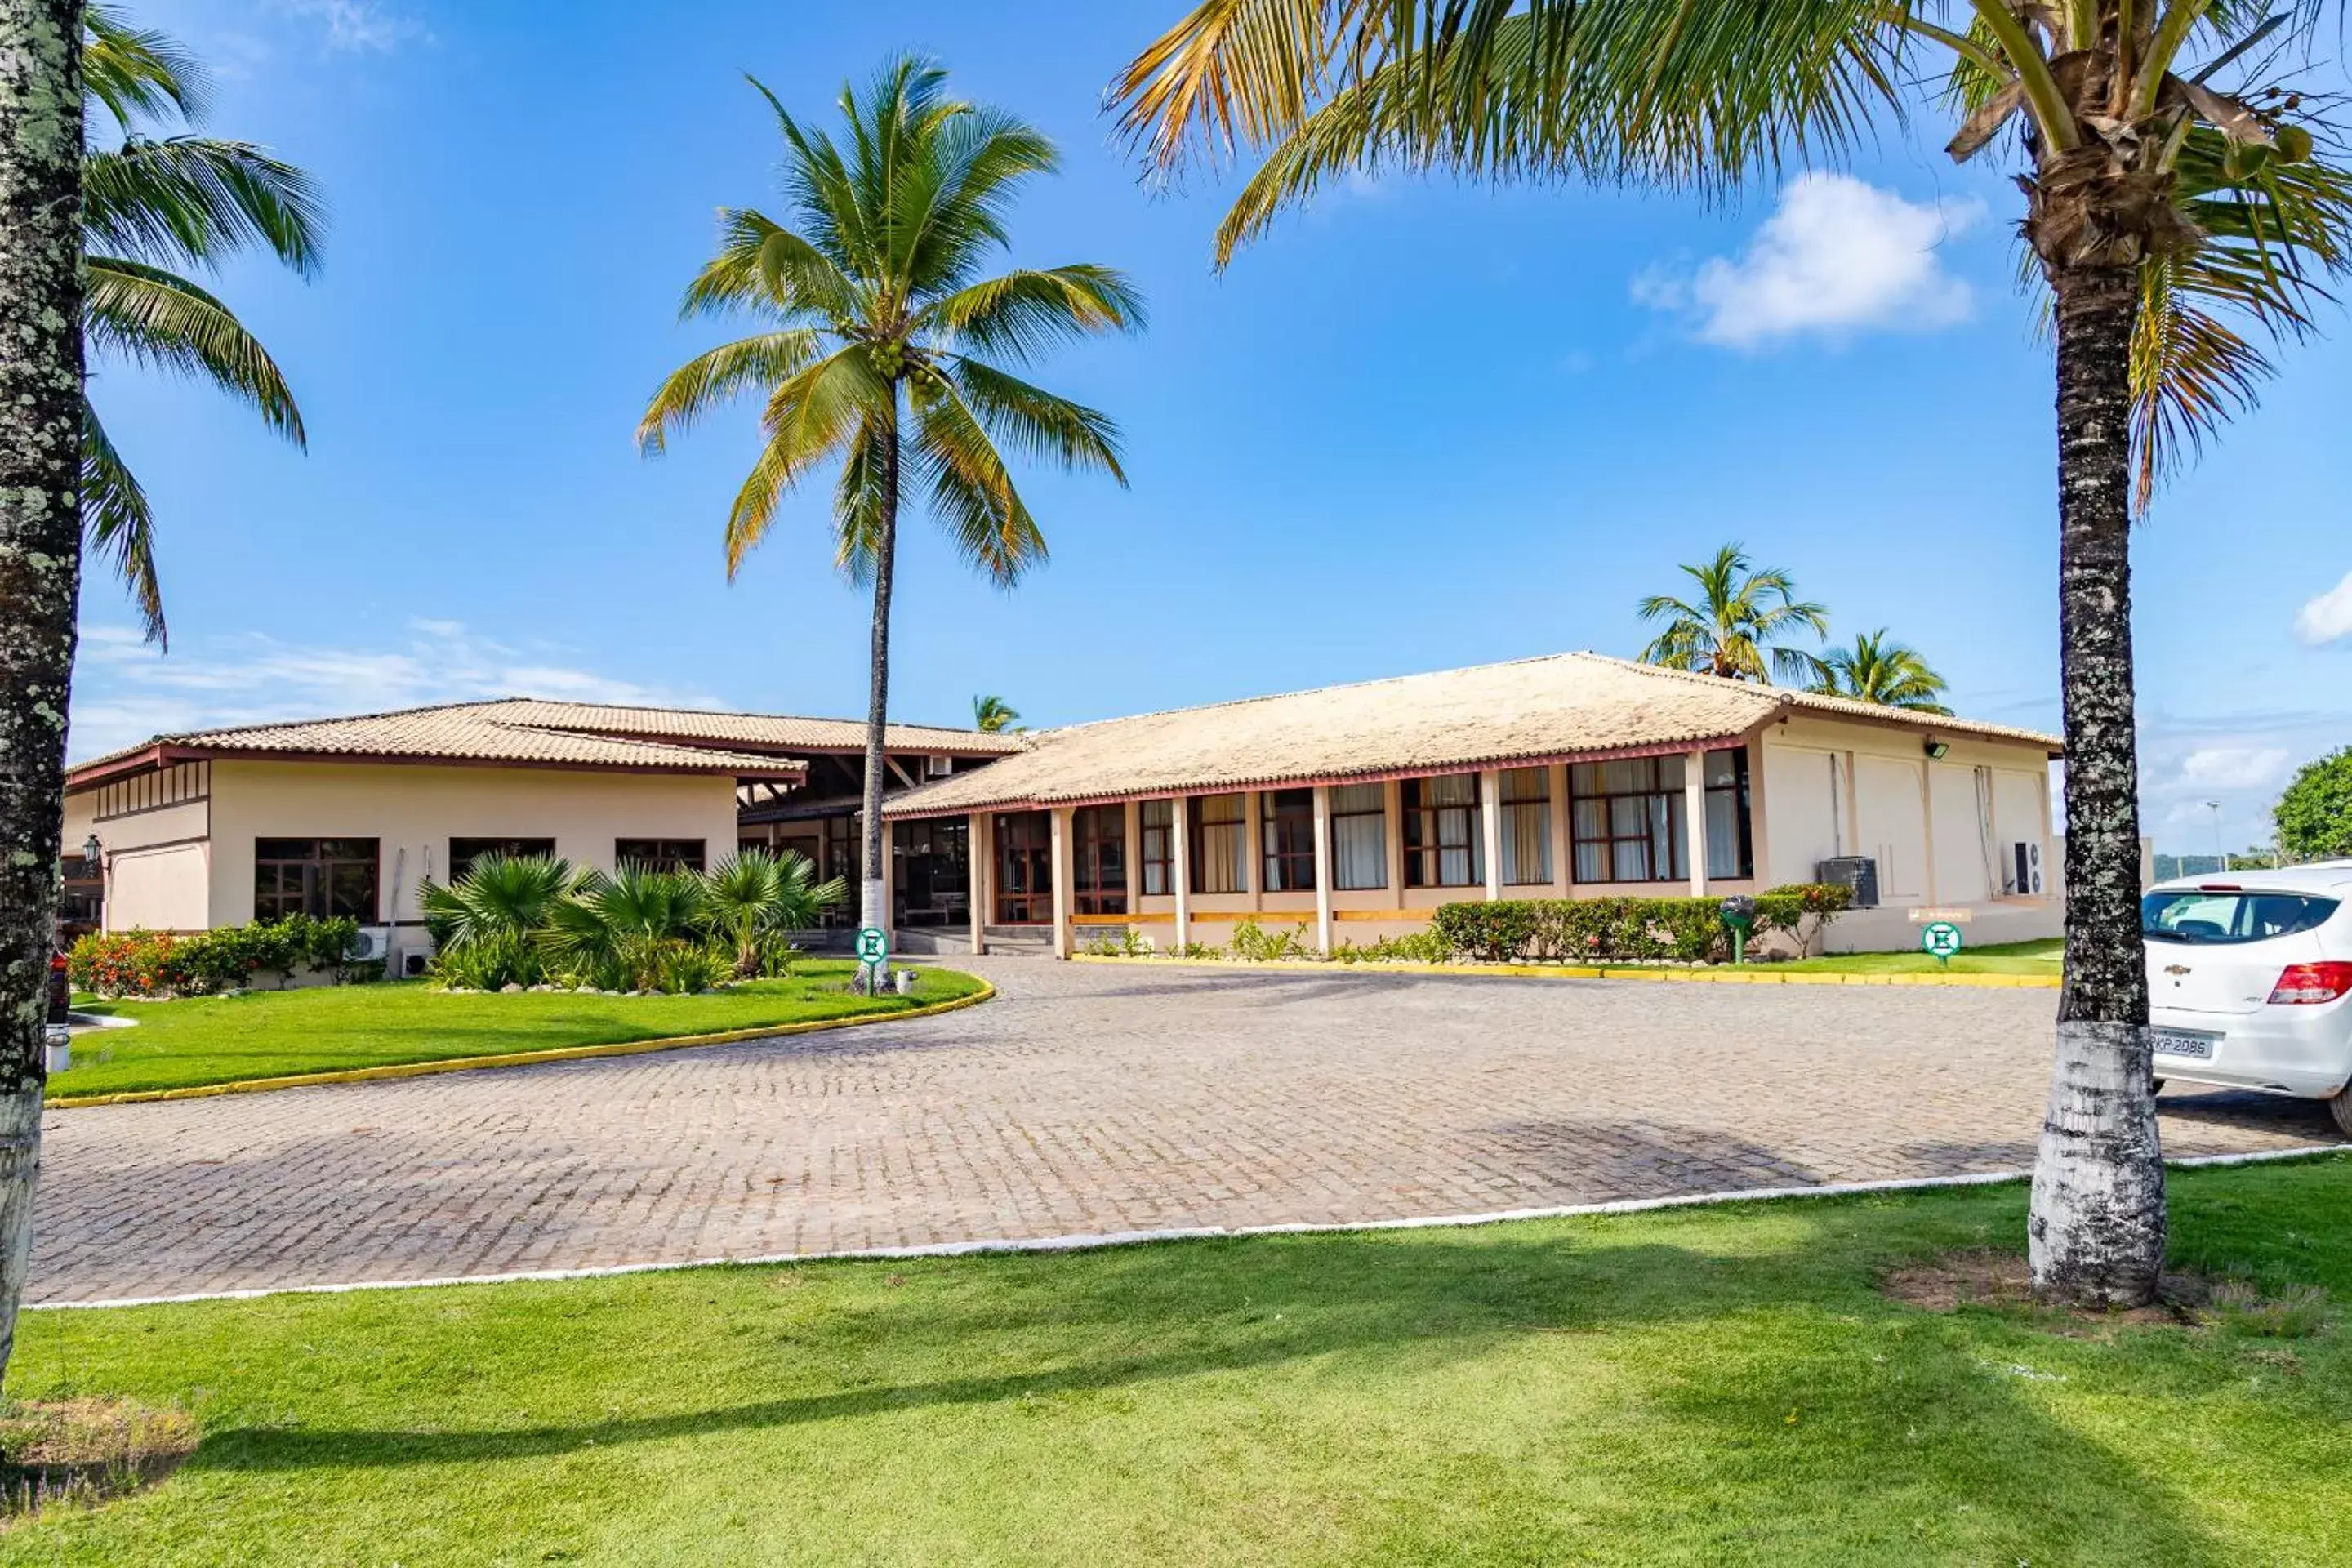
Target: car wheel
[{"x": 2340, "y": 1107}]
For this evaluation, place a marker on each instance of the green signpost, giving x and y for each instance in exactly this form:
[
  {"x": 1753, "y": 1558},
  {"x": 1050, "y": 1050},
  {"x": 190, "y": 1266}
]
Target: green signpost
[
  {"x": 874, "y": 952},
  {"x": 1940, "y": 940}
]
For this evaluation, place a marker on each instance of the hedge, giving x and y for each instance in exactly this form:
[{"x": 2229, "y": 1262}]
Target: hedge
[
  {"x": 156, "y": 963},
  {"x": 1623, "y": 930}
]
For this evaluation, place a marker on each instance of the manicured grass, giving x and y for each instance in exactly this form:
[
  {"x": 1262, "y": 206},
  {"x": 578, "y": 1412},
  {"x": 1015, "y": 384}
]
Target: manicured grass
[
  {"x": 1688, "y": 1387},
  {"x": 1995, "y": 958},
  {"x": 270, "y": 1033}
]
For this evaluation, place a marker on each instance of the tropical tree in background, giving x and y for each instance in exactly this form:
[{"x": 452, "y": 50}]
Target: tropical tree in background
[
  {"x": 1732, "y": 628},
  {"x": 1875, "y": 669},
  {"x": 882, "y": 345},
  {"x": 40, "y": 564},
  {"x": 2314, "y": 814},
  {"x": 993, "y": 715},
  {"x": 2178, "y": 225},
  {"x": 158, "y": 203}
]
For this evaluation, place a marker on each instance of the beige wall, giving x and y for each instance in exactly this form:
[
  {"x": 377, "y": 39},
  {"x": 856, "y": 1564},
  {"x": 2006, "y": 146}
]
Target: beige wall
[
  {"x": 418, "y": 809},
  {"x": 1839, "y": 788},
  {"x": 157, "y": 861}
]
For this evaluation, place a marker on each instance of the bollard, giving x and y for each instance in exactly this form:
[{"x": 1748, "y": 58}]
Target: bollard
[{"x": 906, "y": 979}]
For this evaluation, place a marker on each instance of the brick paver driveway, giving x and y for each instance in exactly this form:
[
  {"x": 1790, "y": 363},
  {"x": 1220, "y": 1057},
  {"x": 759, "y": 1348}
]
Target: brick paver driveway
[{"x": 1085, "y": 1099}]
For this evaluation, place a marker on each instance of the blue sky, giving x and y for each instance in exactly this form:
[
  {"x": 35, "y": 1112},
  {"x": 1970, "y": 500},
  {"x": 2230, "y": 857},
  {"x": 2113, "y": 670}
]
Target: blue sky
[{"x": 1420, "y": 426}]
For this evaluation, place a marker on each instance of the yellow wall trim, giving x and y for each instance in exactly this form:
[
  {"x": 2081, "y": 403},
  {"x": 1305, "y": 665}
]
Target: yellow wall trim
[{"x": 1760, "y": 976}]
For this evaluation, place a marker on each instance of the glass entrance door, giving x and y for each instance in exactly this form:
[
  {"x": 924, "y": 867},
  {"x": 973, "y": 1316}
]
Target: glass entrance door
[{"x": 1025, "y": 869}]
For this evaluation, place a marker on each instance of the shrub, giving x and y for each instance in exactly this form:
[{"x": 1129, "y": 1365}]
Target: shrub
[
  {"x": 2314, "y": 814},
  {"x": 121, "y": 964},
  {"x": 1412, "y": 947},
  {"x": 1254, "y": 943},
  {"x": 1622, "y": 929}
]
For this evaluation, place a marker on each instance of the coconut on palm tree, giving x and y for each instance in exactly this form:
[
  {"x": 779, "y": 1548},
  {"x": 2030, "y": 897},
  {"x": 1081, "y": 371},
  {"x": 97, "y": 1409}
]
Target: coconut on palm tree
[
  {"x": 993, "y": 715},
  {"x": 1875, "y": 667},
  {"x": 2174, "y": 210},
  {"x": 1734, "y": 625},
  {"x": 883, "y": 344},
  {"x": 160, "y": 202}
]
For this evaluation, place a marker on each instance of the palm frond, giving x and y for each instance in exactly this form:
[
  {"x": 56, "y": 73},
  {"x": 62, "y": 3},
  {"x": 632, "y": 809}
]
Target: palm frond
[
  {"x": 193, "y": 200},
  {"x": 137, "y": 73},
  {"x": 1021, "y": 314},
  {"x": 708, "y": 380},
  {"x": 119, "y": 524},
  {"x": 971, "y": 491},
  {"x": 810, "y": 416},
  {"x": 166, "y": 322},
  {"x": 1035, "y": 421}
]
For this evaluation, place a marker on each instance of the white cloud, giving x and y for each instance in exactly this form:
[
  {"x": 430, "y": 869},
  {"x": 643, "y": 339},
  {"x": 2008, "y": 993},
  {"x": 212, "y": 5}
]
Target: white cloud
[
  {"x": 358, "y": 25},
  {"x": 124, "y": 691},
  {"x": 2327, "y": 617},
  {"x": 2235, "y": 767},
  {"x": 1838, "y": 256}
]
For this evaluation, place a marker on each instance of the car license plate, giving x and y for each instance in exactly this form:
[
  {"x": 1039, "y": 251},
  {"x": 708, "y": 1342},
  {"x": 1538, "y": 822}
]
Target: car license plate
[{"x": 2190, "y": 1043}]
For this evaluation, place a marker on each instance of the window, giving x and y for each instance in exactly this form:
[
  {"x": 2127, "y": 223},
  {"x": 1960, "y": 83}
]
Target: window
[
  {"x": 1289, "y": 835},
  {"x": 1156, "y": 820},
  {"x": 318, "y": 877},
  {"x": 1441, "y": 845},
  {"x": 841, "y": 850},
  {"x": 934, "y": 856},
  {"x": 1219, "y": 834},
  {"x": 1359, "y": 837},
  {"x": 659, "y": 854},
  {"x": 464, "y": 852},
  {"x": 2197, "y": 916},
  {"x": 1526, "y": 827},
  {"x": 1627, "y": 820},
  {"x": 1728, "y": 851},
  {"x": 1099, "y": 860}
]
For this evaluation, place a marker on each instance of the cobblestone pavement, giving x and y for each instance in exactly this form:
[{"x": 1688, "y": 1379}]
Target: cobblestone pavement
[{"x": 1085, "y": 1099}]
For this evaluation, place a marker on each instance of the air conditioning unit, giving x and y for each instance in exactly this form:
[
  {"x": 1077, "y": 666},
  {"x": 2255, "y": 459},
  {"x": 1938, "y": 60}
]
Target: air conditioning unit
[
  {"x": 373, "y": 942},
  {"x": 938, "y": 767},
  {"x": 2025, "y": 869},
  {"x": 1859, "y": 872}
]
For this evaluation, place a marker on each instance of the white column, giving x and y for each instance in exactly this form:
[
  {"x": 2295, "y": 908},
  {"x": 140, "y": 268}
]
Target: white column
[
  {"x": 978, "y": 857},
  {"x": 1179, "y": 874},
  {"x": 1490, "y": 825},
  {"x": 1060, "y": 819},
  {"x": 1695, "y": 818},
  {"x": 1323, "y": 869}
]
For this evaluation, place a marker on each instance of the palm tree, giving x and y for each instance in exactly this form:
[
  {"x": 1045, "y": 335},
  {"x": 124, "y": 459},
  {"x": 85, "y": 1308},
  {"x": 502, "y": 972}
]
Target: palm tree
[
  {"x": 1731, "y": 629},
  {"x": 2175, "y": 224},
  {"x": 1876, "y": 669},
  {"x": 154, "y": 207},
  {"x": 879, "y": 334},
  {"x": 993, "y": 715},
  {"x": 756, "y": 900}
]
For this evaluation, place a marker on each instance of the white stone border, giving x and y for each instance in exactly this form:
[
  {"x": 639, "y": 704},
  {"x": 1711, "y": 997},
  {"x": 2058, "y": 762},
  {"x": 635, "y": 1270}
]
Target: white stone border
[{"x": 1140, "y": 1237}]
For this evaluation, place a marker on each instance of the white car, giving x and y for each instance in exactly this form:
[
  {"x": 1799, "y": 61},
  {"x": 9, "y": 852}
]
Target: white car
[{"x": 2250, "y": 981}]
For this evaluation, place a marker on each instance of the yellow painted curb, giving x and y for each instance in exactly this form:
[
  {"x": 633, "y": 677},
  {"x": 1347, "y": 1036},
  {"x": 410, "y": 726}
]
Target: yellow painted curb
[
  {"x": 1592, "y": 972},
  {"x": 518, "y": 1058}
]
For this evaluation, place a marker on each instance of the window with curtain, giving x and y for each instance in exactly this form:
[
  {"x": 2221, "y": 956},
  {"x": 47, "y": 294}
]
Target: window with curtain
[
  {"x": 1099, "y": 860},
  {"x": 1442, "y": 833},
  {"x": 1156, "y": 854},
  {"x": 1729, "y": 850},
  {"x": 1627, "y": 819},
  {"x": 1289, "y": 837},
  {"x": 1359, "y": 837},
  {"x": 1526, "y": 827},
  {"x": 1219, "y": 830},
  {"x": 318, "y": 877}
]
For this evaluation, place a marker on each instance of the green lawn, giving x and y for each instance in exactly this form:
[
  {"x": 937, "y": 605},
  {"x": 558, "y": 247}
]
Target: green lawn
[
  {"x": 268, "y": 1033},
  {"x": 1688, "y": 1387},
  {"x": 1994, "y": 958}
]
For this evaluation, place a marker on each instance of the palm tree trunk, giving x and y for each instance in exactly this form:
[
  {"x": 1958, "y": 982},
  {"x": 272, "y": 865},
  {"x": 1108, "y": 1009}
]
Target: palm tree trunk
[
  {"x": 40, "y": 561},
  {"x": 874, "y": 905},
  {"x": 2097, "y": 1229}
]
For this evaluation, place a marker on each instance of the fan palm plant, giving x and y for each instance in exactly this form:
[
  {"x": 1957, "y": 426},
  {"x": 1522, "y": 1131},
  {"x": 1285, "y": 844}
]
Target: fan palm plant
[
  {"x": 993, "y": 715},
  {"x": 881, "y": 343},
  {"x": 160, "y": 202},
  {"x": 634, "y": 930},
  {"x": 484, "y": 923},
  {"x": 2177, "y": 226},
  {"x": 755, "y": 900},
  {"x": 1732, "y": 628},
  {"x": 1876, "y": 669}
]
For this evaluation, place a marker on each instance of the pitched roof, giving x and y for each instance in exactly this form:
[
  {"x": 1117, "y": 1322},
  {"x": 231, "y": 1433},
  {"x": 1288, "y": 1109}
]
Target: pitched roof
[
  {"x": 525, "y": 733},
  {"x": 1520, "y": 713}
]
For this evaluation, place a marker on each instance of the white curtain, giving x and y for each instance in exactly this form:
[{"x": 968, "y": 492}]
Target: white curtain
[
  {"x": 1359, "y": 837},
  {"x": 1526, "y": 827}
]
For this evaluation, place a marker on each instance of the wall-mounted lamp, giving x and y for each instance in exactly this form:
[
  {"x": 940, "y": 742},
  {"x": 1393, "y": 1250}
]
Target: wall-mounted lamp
[
  {"x": 92, "y": 850},
  {"x": 1937, "y": 749}
]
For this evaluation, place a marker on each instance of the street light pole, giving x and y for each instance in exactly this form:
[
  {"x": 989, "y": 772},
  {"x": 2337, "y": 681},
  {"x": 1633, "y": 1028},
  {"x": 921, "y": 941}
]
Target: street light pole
[{"x": 2215, "y": 807}]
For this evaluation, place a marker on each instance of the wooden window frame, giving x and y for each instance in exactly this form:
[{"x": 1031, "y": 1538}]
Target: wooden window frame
[
  {"x": 313, "y": 894},
  {"x": 1156, "y": 848},
  {"x": 462, "y": 860},
  {"x": 1198, "y": 833},
  {"x": 1287, "y": 839},
  {"x": 1425, "y": 863},
  {"x": 662, "y": 854},
  {"x": 1379, "y": 812},
  {"x": 1097, "y": 888}
]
